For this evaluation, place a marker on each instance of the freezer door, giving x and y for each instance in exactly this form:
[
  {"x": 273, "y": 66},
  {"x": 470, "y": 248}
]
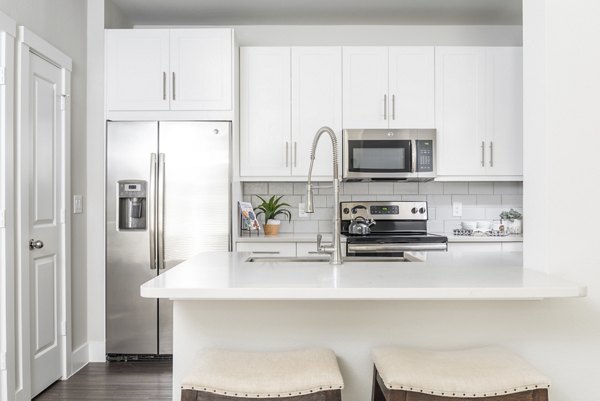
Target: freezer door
[
  {"x": 131, "y": 321},
  {"x": 195, "y": 204}
]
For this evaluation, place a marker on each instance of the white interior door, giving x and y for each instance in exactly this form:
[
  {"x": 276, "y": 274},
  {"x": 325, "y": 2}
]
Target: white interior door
[{"x": 44, "y": 203}]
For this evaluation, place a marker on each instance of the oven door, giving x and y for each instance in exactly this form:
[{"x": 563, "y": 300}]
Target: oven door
[
  {"x": 391, "y": 249},
  {"x": 378, "y": 155}
]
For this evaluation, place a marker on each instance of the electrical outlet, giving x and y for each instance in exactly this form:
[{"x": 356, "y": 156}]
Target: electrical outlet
[
  {"x": 77, "y": 204},
  {"x": 302, "y": 210},
  {"x": 457, "y": 209}
]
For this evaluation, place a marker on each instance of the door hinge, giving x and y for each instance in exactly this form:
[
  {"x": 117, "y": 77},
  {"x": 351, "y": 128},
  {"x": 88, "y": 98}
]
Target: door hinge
[
  {"x": 2, "y": 76},
  {"x": 63, "y": 100},
  {"x": 2, "y": 360},
  {"x": 2, "y": 218},
  {"x": 63, "y": 328}
]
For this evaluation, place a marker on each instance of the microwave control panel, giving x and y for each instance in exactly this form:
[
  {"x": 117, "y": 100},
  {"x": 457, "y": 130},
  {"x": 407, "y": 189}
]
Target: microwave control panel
[{"x": 424, "y": 156}]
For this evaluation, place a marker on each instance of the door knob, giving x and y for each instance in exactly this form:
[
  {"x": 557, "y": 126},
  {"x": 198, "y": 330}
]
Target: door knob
[{"x": 35, "y": 244}]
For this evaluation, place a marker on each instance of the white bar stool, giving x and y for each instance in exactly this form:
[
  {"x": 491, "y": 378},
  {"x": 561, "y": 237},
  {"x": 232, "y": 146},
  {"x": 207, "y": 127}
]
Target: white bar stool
[
  {"x": 301, "y": 375},
  {"x": 484, "y": 374}
]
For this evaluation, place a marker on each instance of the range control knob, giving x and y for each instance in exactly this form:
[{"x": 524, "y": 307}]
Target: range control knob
[
  {"x": 422, "y": 210},
  {"x": 414, "y": 210},
  {"x": 346, "y": 210}
]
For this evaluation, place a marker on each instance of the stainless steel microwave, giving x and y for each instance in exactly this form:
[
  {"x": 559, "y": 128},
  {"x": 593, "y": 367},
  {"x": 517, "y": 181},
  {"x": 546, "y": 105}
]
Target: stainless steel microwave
[{"x": 389, "y": 154}]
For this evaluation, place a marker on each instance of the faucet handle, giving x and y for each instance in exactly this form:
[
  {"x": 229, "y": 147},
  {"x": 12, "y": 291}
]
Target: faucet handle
[{"x": 319, "y": 239}]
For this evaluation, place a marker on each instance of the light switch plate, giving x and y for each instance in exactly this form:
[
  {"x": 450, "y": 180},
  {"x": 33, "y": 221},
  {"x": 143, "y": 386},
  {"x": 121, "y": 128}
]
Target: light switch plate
[
  {"x": 77, "y": 204},
  {"x": 302, "y": 210},
  {"x": 457, "y": 209}
]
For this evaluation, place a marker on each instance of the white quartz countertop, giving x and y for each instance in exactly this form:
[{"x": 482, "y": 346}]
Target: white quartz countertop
[
  {"x": 291, "y": 237},
  {"x": 443, "y": 276}
]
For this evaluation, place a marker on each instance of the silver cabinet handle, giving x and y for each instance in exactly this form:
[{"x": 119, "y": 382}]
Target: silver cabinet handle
[
  {"x": 287, "y": 154},
  {"x": 35, "y": 244},
  {"x": 152, "y": 211},
  {"x": 385, "y": 107},
  {"x": 266, "y": 252},
  {"x": 491, "y": 154},
  {"x": 295, "y": 154},
  {"x": 164, "y": 85},
  {"x": 161, "y": 211},
  {"x": 393, "y": 107},
  {"x": 482, "y": 154},
  {"x": 173, "y": 89}
]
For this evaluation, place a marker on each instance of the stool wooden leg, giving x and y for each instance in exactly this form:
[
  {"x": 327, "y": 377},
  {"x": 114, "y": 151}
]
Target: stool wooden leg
[
  {"x": 540, "y": 395},
  {"x": 377, "y": 394}
]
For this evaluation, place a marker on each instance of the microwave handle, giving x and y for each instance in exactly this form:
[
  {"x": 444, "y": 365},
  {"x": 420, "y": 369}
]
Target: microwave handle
[{"x": 414, "y": 156}]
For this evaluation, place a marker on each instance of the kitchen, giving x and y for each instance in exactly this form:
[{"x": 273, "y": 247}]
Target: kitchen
[{"x": 546, "y": 247}]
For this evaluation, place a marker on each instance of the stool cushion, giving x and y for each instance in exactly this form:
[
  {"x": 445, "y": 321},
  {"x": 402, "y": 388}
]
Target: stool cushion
[
  {"x": 479, "y": 372},
  {"x": 264, "y": 374}
]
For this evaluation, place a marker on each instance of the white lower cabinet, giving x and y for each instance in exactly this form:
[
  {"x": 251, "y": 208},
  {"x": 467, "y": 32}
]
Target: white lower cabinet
[
  {"x": 460, "y": 247},
  {"x": 268, "y": 248},
  {"x": 307, "y": 249}
]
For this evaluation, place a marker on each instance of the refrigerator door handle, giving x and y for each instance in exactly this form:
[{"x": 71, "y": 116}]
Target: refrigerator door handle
[
  {"x": 161, "y": 210},
  {"x": 152, "y": 211}
]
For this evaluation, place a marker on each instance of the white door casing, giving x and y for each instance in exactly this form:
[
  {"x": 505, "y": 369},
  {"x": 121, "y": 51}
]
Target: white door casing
[{"x": 43, "y": 273}]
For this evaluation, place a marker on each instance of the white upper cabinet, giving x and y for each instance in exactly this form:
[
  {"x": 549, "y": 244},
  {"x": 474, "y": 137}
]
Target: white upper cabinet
[
  {"x": 479, "y": 112},
  {"x": 365, "y": 77},
  {"x": 137, "y": 69},
  {"x": 505, "y": 133},
  {"x": 286, "y": 95},
  {"x": 388, "y": 87},
  {"x": 411, "y": 87},
  {"x": 265, "y": 129},
  {"x": 316, "y": 102},
  {"x": 169, "y": 69},
  {"x": 460, "y": 107},
  {"x": 201, "y": 69}
]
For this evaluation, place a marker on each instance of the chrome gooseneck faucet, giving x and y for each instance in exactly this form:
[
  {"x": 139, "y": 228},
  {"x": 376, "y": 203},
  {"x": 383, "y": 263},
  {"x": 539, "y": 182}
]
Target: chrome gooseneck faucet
[{"x": 334, "y": 249}]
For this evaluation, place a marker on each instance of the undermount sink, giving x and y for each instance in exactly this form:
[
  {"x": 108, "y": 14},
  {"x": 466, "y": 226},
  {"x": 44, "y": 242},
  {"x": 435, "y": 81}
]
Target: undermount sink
[{"x": 323, "y": 259}]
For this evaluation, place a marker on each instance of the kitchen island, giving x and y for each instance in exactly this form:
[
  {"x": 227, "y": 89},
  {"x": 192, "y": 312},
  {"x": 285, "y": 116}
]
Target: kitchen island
[{"x": 224, "y": 299}]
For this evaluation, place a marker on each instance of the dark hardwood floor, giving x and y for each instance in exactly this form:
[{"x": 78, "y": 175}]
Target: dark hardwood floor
[{"x": 114, "y": 381}]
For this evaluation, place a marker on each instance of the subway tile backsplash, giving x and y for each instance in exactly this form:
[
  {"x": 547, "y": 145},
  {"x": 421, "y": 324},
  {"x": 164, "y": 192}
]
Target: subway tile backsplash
[{"x": 480, "y": 200}]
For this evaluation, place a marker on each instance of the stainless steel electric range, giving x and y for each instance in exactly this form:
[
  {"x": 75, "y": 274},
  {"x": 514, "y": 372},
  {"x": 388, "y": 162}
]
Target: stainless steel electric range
[{"x": 388, "y": 229}]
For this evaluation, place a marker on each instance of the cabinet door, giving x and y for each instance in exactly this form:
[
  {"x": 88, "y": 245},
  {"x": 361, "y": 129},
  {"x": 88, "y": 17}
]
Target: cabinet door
[
  {"x": 365, "y": 83},
  {"x": 201, "y": 69},
  {"x": 316, "y": 102},
  {"x": 137, "y": 69},
  {"x": 505, "y": 124},
  {"x": 265, "y": 148},
  {"x": 411, "y": 87},
  {"x": 460, "y": 110}
]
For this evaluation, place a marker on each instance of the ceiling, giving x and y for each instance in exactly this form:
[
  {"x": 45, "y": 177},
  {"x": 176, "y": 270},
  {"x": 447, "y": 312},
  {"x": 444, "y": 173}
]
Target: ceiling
[{"x": 321, "y": 12}]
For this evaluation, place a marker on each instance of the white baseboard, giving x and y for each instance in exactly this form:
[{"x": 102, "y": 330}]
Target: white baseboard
[
  {"x": 97, "y": 351},
  {"x": 79, "y": 358}
]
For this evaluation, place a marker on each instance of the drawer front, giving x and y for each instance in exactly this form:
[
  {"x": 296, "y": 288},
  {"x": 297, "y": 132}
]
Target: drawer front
[
  {"x": 307, "y": 249},
  {"x": 462, "y": 247},
  {"x": 268, "y": 248},
  {"x": 512, "y": 247}
]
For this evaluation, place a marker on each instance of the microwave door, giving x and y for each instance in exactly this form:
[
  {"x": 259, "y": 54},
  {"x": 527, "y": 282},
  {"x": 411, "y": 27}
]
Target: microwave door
[{"x": 380, "y": 158}]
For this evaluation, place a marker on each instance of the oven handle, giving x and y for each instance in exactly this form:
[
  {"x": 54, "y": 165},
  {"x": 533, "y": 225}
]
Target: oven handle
[
  {"x": 413, "y": 155},
  {"x": 383, "y": 248}
]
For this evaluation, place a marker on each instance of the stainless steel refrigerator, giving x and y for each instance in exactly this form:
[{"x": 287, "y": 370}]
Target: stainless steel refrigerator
[{"x": 167, "y": 199}]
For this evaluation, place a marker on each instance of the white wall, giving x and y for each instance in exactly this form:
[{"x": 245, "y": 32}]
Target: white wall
[{"x": 62, "y": 23}]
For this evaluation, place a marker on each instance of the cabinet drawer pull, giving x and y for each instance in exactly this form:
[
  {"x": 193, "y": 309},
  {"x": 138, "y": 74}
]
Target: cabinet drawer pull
[
  {"x": 267, "y": 252},
  {"x": 393, "y": 107},
  {"x": 164, "y": 85},
  {"x": 295, "y": 154},
  {"x": 287, "y": 154},
  {"x": 173, "y": 89},
  {"x": 491, "y": 154}
]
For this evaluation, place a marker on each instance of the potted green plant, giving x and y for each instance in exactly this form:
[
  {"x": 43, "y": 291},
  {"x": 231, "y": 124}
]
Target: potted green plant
[
  {"x": 513, "y": 221},
  {"x": 271, "y": 209}
]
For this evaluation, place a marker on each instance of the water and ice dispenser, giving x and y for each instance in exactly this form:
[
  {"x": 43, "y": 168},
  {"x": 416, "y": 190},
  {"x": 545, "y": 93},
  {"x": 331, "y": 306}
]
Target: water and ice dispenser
[{"x": 132, "y": 205}]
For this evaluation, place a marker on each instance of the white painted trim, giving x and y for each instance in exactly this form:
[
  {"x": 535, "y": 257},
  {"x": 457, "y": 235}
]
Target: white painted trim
[
  {"x": 29, "y": 43},
  {"x": 79, "y": 358},
  {"x": 44, "y": 49},
  {"x": 8, "y": 25},
  {"x": 7, "y": 262},
  {"x": 97, "y": 351}
]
